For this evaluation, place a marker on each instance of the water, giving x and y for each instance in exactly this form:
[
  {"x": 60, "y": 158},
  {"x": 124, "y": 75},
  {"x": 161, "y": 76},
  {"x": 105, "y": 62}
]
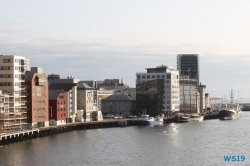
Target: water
[{"x": 195, "y": 143}]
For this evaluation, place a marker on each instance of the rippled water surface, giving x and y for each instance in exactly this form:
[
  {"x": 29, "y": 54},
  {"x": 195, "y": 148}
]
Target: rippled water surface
[{"x": 202, "y": 143}]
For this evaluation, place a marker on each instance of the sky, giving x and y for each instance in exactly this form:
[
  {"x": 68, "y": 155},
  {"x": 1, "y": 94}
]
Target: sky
[{"x": 107, "y": 39}]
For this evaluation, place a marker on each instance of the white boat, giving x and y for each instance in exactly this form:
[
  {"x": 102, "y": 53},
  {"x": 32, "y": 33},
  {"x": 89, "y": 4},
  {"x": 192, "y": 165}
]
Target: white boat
[
  {"x": 232, "y": 112},
  {"x": 190, "y": 118},
  {"x": 146, "y": 120},
  {"x": 196, "y": 118}
]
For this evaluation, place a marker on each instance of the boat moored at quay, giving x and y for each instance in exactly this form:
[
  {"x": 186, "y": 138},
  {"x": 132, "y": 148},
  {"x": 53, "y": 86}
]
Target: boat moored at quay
[
  {"x": 147, "y": 120},
  {"x": 189, "y": 118},
  {"x": 230, "y": 113}
]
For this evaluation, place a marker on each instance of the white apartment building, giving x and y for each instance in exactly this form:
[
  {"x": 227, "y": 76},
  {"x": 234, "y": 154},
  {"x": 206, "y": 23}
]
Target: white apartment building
[
  {"x": 12, "y": 69},
  {"x": 4, "y": 113},
  {"x": 171, "y": 85}
]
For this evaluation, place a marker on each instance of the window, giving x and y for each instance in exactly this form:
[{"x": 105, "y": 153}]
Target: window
[
  {"x": 153, "y": 76},
  {"x": 168, "y": 76},
  {"x": 7, "y": 60},
  {"x": 158, "y": 76},
  {"x": 162, "y": 76},
  {"x": 148, "y": 76}
]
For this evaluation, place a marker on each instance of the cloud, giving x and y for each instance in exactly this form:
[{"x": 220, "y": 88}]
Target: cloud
[{"x": 96, "y": 60}]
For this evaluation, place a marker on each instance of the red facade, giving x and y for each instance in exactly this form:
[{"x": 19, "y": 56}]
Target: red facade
[
  {"x": 58, "y": 108},
  {"x": 37, "y": 97}
]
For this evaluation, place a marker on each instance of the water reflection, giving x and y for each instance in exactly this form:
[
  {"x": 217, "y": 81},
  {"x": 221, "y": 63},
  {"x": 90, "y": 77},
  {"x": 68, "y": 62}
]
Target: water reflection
[{"x": 193, "y": 144}]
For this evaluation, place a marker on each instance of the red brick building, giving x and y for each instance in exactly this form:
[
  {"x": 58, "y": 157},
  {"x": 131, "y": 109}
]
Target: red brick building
[
  {"x": 57, "y": 107},
  {"x": 37, "y": 98}
]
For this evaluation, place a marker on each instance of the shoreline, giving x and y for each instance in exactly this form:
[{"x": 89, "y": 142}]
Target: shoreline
[{"x": 12, "y": 137}]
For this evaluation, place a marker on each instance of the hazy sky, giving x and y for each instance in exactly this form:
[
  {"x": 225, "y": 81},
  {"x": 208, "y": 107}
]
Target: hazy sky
[{"x": 99, "y": 39}]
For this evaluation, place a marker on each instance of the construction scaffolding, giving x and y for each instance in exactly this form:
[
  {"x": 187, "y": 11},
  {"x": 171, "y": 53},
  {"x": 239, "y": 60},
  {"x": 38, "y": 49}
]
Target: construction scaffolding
[{"x": 12, "y": 116}]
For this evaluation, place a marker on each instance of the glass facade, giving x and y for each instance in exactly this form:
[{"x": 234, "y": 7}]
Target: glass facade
[
  {"x": 189, "y": 96},
  {"x": 149, "y": 97},
  {"x": 188, "y": 64}
]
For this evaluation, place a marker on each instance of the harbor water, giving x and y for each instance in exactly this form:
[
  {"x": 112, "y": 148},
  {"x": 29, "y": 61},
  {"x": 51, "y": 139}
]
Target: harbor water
[{"x": 182, "y": 144}]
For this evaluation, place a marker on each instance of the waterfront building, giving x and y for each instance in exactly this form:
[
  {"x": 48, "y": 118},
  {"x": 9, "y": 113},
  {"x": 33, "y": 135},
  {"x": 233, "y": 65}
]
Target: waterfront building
[
  {"x": 208, "y": 103},
  {"x": 170, "y": 87},
  {"x": 126, "y": 91},
  {"x": 102, "y": 94},
  {"x": 150, "y": 97},
  {"x": 87, "y": 99},
  {"x": 189, "y": 64},
  {"x": 118, "y": 105},
  {"x": 12, "y": 70},
  {"x": 37, "y": 97},
  {"x": 189, "y": 95},
  {"x": 57, "y": 107},
  {"x": 202, "y": 89},
  {"x": 69, "y": 86},
  {"x": 5, "y": 119},
  {"x": 113, "y": 86}
]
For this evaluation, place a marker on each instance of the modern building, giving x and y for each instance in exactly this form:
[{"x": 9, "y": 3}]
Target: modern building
[
  {"x": 118, "y": 104},
  {"x": 57, "y": 107},
  {"x": 37, "y": 97},
  {"x": 150, "y": 97},
  {"x": 5, "y": 120},
  {"x": 170, "y": 94},
  {"x": 189, "y": 95},
  {"x": 189, "y": 64},
  {"x": 69, "y": 86},
  {"x": 12, "y": 70}
]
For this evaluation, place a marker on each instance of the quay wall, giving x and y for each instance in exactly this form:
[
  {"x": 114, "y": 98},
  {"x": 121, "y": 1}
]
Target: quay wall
[{"x": 16, "y": 136}]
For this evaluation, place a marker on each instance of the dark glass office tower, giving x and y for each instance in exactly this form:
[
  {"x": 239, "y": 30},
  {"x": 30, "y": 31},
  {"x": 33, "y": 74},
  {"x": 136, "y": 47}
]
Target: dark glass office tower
[
  {"x": 149, "y": 97},
  {"x": 188, "y": 64}
]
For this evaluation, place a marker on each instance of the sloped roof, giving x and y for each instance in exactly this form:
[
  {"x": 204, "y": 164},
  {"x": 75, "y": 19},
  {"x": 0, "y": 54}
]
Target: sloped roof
[
  {"x": 119, "y": 98},
  {"x": 30, "y": 75},
  {"x": 53, "y": 94},
  {"x": 59, "y": 86},
  {"x": 83, "y": 85}
]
